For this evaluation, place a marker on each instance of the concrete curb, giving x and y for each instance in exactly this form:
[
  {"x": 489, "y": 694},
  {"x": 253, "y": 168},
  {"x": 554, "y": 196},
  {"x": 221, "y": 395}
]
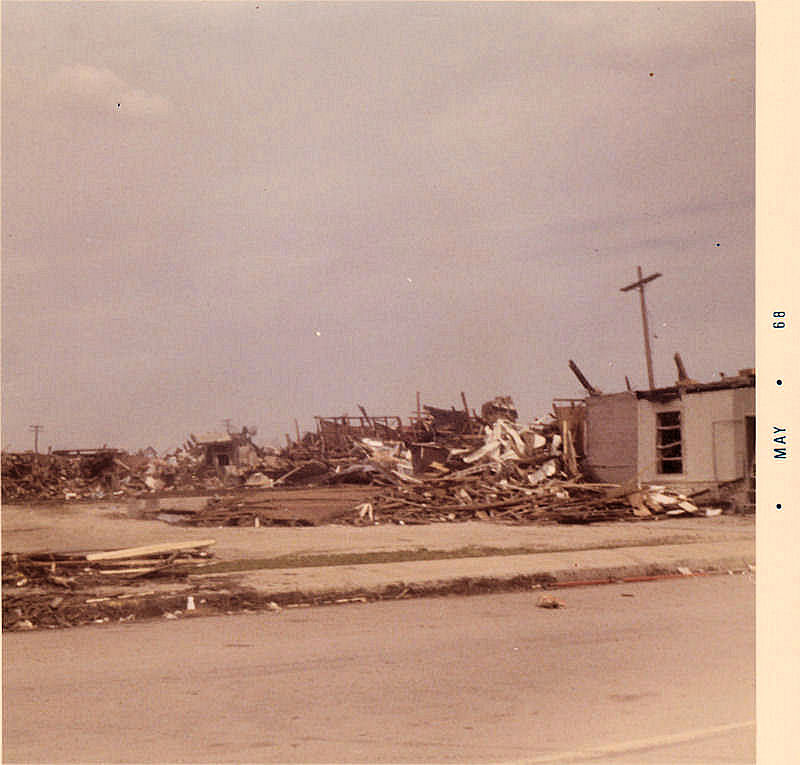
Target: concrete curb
[
  {"x": 249, "y": 592},
  {"x": 459, "y": 582},
  {"x": 305, "y": 587},
  {"x": 239, "y": 599},
  {"x": 536, "y": 568}
]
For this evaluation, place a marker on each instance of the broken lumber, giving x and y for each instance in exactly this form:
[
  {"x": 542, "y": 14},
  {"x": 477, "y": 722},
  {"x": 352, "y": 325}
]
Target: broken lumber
[
  {"x": 156, "y": 549},
  {"x": 482, "y": 506},
  {"x": 590, "y": 389},
  {"x": 682, "y": 376}
]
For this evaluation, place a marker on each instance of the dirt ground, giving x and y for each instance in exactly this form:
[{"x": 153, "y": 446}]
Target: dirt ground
[{"x": 111, "y": 525}]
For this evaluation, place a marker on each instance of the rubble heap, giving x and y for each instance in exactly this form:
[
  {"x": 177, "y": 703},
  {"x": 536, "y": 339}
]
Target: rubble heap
[
  {"x": 506, "y": 473},
  {"x": 27, "y": 476},
  {"x": 109, "y": 473},
  {"x": 50, "y": 589},
  {"x": 446, "y": 465},
  {"x": 80, "y": 569}
]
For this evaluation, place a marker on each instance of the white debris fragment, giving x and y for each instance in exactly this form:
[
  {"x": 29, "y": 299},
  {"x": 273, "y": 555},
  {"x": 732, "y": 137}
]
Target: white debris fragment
[
  {"x": 547, "y": 470},
  {"x": 548, "y": 601},
  {"x": 365, "y": 510}
]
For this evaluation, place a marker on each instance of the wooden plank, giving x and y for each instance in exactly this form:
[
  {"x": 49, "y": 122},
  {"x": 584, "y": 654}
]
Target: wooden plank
[
  {"x": 370, "y": 422},
  {"x": 138, "y": 552},
  {"x": 484, "y": 505}
]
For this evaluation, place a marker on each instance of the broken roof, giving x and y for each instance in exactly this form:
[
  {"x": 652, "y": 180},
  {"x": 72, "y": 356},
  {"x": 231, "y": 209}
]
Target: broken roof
[
  {"x": 745, "y": 379},
  {"x": 212, "y": 438}
]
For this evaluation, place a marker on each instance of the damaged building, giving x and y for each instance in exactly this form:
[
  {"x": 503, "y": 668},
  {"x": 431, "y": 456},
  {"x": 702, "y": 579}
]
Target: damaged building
[
  {"x": 223, "y": 450},
  {"x": 692, "y": 436}
]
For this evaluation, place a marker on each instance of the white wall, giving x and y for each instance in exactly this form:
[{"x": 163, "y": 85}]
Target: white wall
[{"x": 713, "y": 436}]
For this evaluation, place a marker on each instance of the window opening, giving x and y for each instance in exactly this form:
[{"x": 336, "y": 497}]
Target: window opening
[{"x": 669, "y": 449}]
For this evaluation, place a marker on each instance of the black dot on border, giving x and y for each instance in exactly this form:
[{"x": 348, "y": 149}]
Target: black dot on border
[
  {"x": 779, "y": 506},
  {"x": 779, "y": 382}
]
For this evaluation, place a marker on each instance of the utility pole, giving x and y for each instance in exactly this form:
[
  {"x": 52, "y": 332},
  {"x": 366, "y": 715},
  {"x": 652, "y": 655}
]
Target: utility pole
[
  {"x": 640, "y": 284},
  {"x": 36, "y": 429}
]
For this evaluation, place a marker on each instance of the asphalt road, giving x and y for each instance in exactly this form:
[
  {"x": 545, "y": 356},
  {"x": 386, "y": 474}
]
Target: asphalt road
[{"x": 660, "y": 672}]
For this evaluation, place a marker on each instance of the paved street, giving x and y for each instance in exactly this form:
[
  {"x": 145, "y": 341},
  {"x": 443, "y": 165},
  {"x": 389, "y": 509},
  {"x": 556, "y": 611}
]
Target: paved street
[{"x": 659, "y": 672}]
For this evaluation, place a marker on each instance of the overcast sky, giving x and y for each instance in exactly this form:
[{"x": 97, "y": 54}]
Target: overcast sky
[{"x": 264, "y": 211}]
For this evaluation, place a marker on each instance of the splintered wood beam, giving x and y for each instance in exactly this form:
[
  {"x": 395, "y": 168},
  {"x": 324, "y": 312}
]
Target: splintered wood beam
[
  {"x": 370, "y": 421},
  {"x": 681, "y": 369},
  {"x": 582, "y": 379}
]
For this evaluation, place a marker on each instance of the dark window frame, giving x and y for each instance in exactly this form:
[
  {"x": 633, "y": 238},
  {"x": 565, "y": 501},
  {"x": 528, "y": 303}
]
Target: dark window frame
[{"x": 669, "y": 442}]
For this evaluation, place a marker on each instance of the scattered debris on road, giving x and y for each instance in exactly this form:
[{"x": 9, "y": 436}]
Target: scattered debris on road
[{"x": 548, "y": 601}]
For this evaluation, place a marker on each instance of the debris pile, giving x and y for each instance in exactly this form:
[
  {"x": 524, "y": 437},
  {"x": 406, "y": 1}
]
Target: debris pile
[
  {"x": 97, "y": 474},
  {"x": 555, "y": 500},
  {"x": 79, "y": 569},
  {"x": 505, "y": 472},
  {"x": 49, "y": 589},
  {"x": 28, "y": 475},
  {"x": 445, "y": 465}
]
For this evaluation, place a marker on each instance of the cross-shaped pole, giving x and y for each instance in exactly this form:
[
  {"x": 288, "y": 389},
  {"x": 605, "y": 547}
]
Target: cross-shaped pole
[
  {"x": 640, "y": 284},
  {"x": 36, "y": 429}
]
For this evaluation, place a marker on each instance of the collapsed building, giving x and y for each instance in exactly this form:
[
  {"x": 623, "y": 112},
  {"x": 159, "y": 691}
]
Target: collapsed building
[{"x": 592, "y": 454}]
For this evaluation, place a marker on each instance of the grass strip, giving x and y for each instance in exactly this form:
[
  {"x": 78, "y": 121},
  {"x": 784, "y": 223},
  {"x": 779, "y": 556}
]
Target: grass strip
[{"x": 311, "y": 560}]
